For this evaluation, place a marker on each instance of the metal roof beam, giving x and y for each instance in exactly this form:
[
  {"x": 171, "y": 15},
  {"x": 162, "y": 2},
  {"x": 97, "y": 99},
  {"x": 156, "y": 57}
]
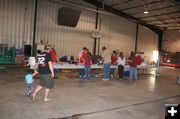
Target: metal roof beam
[
  {"x": 122, "y": 14},
  {"x": 160, "y": 14},
  {"x": 154, "y": 2},
  {"x": 167, "y": 23},
  {"x": 163, "y": 19},
  {"x": 155, "y": 9},
  {"x": 120, "y": 3}
]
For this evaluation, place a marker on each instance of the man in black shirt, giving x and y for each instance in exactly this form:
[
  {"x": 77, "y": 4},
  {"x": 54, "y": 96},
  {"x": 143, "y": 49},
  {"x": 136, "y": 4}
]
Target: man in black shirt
[{"x": 45, "y": 68}]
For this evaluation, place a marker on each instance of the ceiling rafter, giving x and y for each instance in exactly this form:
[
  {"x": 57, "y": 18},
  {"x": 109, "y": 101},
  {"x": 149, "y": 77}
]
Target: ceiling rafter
[
  {"x": 173, "y": 26},
  {"x": 166, "y": 23},
  {"x": 122, "y": 14},
  {"x": 120, "y": 3},
  {"x": 160, "y": 14},
  {"x": 162, "y": 19},
  {"x": 154, "y": 2},
  {"x": 155, "y": 9}
]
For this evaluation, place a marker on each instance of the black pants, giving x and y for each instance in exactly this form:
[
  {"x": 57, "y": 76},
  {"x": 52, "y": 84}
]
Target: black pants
[{"x": 120, "y": 71}]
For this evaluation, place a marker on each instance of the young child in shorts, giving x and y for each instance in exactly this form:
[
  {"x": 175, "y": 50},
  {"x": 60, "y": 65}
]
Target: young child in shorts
[{"x": 29, "y": 81}]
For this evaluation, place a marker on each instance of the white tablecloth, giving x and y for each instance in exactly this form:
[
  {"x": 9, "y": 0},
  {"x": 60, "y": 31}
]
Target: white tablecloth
[{"x": 95, "y": 66}]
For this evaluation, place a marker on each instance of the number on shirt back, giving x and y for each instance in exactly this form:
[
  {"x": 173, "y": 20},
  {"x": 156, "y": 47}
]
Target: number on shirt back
[{"x": 41, "y": 60}]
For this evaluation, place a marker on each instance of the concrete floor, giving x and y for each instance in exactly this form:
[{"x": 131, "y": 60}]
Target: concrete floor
[{"x": 97, "y": 99}]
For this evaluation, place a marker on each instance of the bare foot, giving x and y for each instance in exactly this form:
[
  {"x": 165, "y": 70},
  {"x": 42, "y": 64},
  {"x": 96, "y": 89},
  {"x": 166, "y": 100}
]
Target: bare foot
[
  {"x": 33, "y": 97},
  {"x": 47, "y": 100}
]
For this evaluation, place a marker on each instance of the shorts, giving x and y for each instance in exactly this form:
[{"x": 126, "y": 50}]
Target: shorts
[{"x": 46, "y": 81}]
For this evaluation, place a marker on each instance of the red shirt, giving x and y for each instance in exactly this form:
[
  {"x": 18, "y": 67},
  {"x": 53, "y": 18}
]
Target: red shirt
[
  {"x": 82, "y": 57},
  {"x": 138, "y": 60},
  {"x": 114, "y": 58},
  {"x": 132, "y": 61},
  {"x": 53, "y": 55},
  {"x": 88, "y": 62}
]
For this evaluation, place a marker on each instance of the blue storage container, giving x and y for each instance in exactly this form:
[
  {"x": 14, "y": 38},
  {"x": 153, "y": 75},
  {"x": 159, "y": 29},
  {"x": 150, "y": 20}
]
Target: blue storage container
[{"x": 125, "y": 73}]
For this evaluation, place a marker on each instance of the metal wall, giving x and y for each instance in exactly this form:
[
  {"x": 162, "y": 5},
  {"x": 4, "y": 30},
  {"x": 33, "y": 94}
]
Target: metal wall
[
  {"x": 16, "y": 27},
  {"x": 68, "y": 40},
  {"x": 147, "y": 42},
  {"x": 171, "y": 41},
  {"x": 16, "y": 18}
]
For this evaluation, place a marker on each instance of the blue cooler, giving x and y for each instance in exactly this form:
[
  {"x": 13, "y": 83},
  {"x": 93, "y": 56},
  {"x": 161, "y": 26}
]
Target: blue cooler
[{"x": 125, "y": 73}]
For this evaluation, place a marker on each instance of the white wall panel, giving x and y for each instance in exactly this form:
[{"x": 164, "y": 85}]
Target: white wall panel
[
  {"x": 123, "y": 35},
  {"x": 68, "y": 40},
  {"x": 117, "y": 33},
  {"x": 16, "y": 27},
  {"x": 16, "y": 22},
  {"x": 147, "y": 42},
  {"x": 171, "y": 41}
]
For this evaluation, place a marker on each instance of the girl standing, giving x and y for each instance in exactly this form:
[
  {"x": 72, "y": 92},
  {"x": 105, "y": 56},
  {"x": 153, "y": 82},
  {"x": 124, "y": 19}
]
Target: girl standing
[{"x": 121, "y": 63}]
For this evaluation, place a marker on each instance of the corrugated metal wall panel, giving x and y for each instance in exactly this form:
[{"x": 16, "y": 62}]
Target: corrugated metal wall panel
[
  {"x": 147, "y": 42},
  {"x": 123, "y": 35},
  {"x": 117, "y": 33},
  {"x": 14, "y": 17},
  {"x": 68, "y": 40},
  {"x": 16, "y": 27},
  {"x": 171, "y": 41}
]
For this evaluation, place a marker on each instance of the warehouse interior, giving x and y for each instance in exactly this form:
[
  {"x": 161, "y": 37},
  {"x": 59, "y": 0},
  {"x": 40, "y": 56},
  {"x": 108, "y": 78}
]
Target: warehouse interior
[{"x": 146, "y": 26}]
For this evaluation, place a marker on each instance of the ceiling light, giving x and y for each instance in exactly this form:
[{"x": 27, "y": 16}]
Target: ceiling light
[
  {"x": 145, "y": 12},
  {"x": 146, "y": 8}
]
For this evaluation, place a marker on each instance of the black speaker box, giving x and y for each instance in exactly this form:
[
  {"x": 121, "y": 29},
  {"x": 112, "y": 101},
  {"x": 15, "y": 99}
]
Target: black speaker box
[
  {"x": 27, "y": 50},
  {"x": 68, "y": 17}
]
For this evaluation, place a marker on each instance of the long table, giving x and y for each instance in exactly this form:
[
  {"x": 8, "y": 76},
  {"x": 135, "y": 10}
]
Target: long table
[{"x": 95, "y": 66}]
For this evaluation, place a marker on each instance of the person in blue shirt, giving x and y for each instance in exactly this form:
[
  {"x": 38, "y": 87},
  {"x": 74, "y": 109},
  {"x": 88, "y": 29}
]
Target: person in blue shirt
[{"x": 29, "y": 81}]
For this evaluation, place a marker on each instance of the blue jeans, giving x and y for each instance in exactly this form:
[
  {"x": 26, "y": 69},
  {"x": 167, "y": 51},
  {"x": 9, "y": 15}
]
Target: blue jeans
[
  {"x": 112, "y": 71},
  {"x": 133, "y": 73},
  {"x": 106, "y": 70},
  {"x": 87, "y": 73},
  {"x": 29, "y": 89},
  {"x": 81, "y": 72}
]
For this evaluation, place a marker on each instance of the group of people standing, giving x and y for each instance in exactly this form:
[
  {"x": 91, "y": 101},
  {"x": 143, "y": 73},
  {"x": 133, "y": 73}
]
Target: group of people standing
[
  {"x": 112, "y": 59},
  {"x": 109, "y": 59},
  {"x": 46, "y": 59}
]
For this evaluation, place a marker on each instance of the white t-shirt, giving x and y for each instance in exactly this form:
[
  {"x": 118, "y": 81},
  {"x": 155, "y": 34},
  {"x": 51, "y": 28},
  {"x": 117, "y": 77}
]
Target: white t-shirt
[{"x": 121, "y": 61}]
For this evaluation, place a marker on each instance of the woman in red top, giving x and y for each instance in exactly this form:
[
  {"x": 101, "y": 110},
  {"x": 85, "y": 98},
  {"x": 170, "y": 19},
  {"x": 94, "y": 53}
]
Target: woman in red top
[
  {"x": 138, "y": 58},
  {"x": 53, "y": 55}
]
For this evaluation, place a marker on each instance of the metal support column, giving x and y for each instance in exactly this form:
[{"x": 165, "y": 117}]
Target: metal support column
[
  {"x": 34, "y": 26},
  {"x": 137, "y": 31},
  {"x": 96, "y": 27}
]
